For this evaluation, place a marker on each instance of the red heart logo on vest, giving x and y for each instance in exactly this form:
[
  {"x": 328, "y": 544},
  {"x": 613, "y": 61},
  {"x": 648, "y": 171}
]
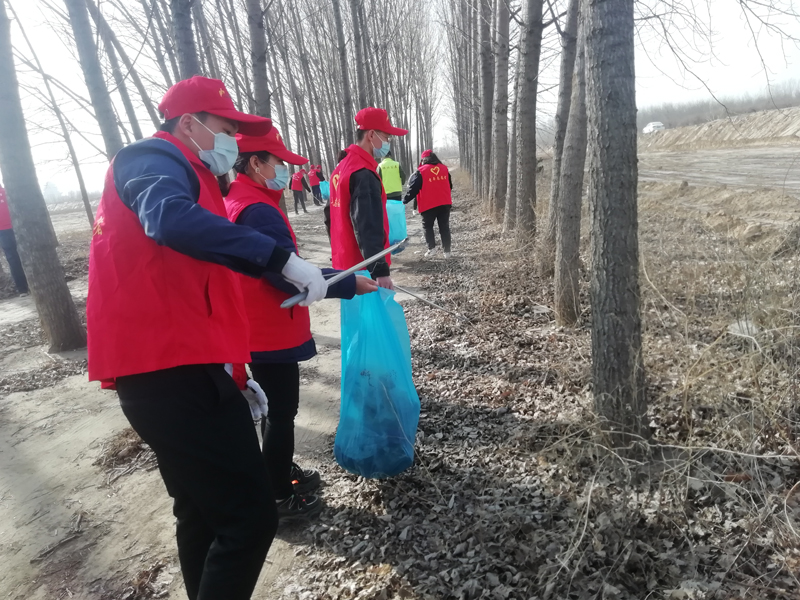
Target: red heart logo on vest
[
  {"x": 335, "y": 181},
  {"x": 435, "y": 170}
]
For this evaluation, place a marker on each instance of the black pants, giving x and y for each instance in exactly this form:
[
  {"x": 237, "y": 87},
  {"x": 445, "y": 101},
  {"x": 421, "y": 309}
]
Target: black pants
[
  {"x": 327, "y": 212},
  {"x": 299, "y": 196},
  {"x": 199, "y": 426},
  {"x": 440, "y": 214},
  {"x": 9, "y": 244},
  {"x": 315, "y": 191},
  {"x": 281, "y": 384}
]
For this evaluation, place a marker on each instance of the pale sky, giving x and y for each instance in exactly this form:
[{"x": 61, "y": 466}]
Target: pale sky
[{"x": 734, "y": 69}]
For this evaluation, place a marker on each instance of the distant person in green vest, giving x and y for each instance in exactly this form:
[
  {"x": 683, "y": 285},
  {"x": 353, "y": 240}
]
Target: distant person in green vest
[{"x": 391, "y": 173}]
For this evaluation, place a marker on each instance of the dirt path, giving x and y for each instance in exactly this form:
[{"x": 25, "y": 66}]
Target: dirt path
[{"x": 67, "y": 532}]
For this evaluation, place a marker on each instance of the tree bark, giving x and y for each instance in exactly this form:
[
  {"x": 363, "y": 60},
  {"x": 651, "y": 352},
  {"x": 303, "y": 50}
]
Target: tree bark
[
  {"x": 510, "y": 217},
  {"x": 169, "y": 46},
  {"x": 568, "y": 203},
  {"x": 499, "y": 187},
  {"x": 258, "y": 57},
  {"x": 347, "y": 100},
  {"x": 188, "y": 63},
  {"x": 93, "y": 74},
  {"x": 487, "y": 92},
  {"x": 547, "y": 246},
  {"x": 206, "y": 48},
  {"x": 37, "y": 243},
  {"x": 617, "y": 364},
  {"x": 529, "y": 52},
  {"x": 361, "y": 79}
]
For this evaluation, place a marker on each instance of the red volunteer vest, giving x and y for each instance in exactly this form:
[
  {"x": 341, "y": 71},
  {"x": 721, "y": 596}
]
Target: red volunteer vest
[
  {"x": 297, "y": 181},
  {"x": 345, "y": 252},
  {"x": 312, "y": 178},
  {"x": 271, "y": 327},
  {"x": 5, "y": 215},
  {"x": 151, "y": 308},
  {"x": 435, "y": 189}
]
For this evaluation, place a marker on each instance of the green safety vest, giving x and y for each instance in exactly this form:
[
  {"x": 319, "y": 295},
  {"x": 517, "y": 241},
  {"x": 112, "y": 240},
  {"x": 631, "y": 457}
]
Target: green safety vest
[{"x": 390, "y": 175}]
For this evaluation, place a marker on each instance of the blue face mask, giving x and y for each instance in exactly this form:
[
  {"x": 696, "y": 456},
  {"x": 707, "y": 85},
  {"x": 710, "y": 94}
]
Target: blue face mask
[
  {"x": 281, "y": 178},
  {"x": 379, "y": 153},
  {"x": 219, "y": 160}
]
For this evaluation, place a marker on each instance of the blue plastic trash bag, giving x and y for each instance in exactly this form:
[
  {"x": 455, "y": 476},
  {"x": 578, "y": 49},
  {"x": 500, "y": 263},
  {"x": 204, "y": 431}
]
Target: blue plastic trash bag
[
  {"x": 380, "y": 406},
  {"x": 325, "y": 190},
  {"x": 397, "y": 222}
]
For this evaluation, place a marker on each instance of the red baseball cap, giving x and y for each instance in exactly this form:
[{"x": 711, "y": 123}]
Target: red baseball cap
[
  {"x": 272, "y": 143},
  {"x": 427, "y": 153},
  {"x": 378, "y": 119},
  {"x": 201, "y": 94}
]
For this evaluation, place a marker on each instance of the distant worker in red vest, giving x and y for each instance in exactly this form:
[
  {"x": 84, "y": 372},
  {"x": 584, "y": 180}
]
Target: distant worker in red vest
[
  {"x": 431, "y": 187},
  {"x": 279, "y": 339},
  {"x": 359, "y": 223},
  {"x": 9, "y": 244},
  {"x": 313, "y": 179},
  {"x": 165, "y": 312},
  {"x": 299, "y": 187}
]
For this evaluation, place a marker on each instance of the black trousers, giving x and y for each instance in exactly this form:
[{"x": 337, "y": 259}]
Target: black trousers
[
  {"x": 199, "y": 426},
  {"x": 9, "y": 244},
  {"x": 440, "y": 214},
  {"x": 299, "y": 196},
  {"x": 315, "y": 191},
  {"x": 281, "y": 384},
  {"x": 327, "y": 212}
]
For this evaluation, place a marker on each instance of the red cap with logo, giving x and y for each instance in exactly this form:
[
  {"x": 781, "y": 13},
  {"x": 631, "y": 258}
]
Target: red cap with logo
[
  {"x": 201, "y": 94},
  {"x": 272, "y": 143},
  {"x": 426, "y": 153},
  {"x": 378, "y": 119}
]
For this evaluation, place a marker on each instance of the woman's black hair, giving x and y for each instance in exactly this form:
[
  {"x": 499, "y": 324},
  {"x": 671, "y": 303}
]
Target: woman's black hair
[
  {"x": 240, "y": 166},
  {"x": 431, "y": 159}
]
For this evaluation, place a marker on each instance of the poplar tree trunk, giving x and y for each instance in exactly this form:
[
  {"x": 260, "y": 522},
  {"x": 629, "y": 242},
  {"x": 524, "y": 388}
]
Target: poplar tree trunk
[
  {"x": 497, "y": 194},
  {"x": 528, "y": 66},
  {"x": 258, "y": 56},
  {"x": 161, "y": 14},
  {"x": 347, "y": 100},
  {"x": 487, "y": 93},
  {"x": 617, "y": 364},
  {"x": 206, "y": 49},
  {"x": 188, "y": 63},
  {"x": 568, "y": 203},
  {"x": 547, "y": 246},
  {"x": 510, "y": 218},
  {"x": 93, "y": 74},
  {"x": 479, "y": 165},
  {"x": 361, "y": 79},
  {"x": 122, "y": 88},
  {"x": 35, "y": 237}
]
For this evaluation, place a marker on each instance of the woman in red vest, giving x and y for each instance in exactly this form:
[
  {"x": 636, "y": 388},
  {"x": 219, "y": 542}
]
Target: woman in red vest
[
  {"x": 313, "y": 179},
  {"x": 279, "y": 338},
  {"x": 9, "y": 245},
  {"x": 432, "y": 187},
  {"x": 299, "y": 187}
]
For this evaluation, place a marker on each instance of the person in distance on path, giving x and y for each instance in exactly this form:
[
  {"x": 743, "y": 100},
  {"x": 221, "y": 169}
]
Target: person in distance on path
[
  {"x": 298, "y": 184},
  {"x": 359, "y": 222},
  {"x": 279, "y": 338},
  {"x": 313, "y": 179},
  {"x": 165, "y": 313},
  {"x": 9, "y": 244},
  {"x": 392, "y": 177},
  {"x": 431, "y": 186}
]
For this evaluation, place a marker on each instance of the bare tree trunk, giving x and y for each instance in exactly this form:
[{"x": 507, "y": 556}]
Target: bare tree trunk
[
  {"x": 258, "y": 56},
  {"x": 510, "y": 218},
  {"x": 186, "y": 50},
  {"x": 233, "y": 61},
  {"x": 361, "y": 78},
  {"x": 92, "y": 72},
  {"x": 497, "y": 194},
  {"x": 528, "y": 66},
  {"x": 122, "y": 88},
  {"x": 206, "y": 49},
  {"x": 547, "y": 246},
  {"x": 617, "y": 363},
  {"x": 478, "y": 168},
  {"x": 37, "y": 243},
  {"x": 568, "y": 203},
  {"x": 160, "y": 7},
  {"x": 347, "y": 98},
  {"x": 487, "y": 92},
  {"x": 159, "y": 46}
]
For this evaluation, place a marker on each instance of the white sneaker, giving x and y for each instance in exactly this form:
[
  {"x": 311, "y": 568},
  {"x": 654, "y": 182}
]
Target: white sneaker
[
  {"x": 430, "y": 252},
  {"x": 413, "y": 213},
  {"x": 447, "y": 254}
]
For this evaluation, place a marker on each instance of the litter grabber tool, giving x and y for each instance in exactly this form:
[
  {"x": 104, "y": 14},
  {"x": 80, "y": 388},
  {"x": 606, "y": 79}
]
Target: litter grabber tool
[
  {"x": 460, "y": 317},
  {"x": 339, "y": 276}
]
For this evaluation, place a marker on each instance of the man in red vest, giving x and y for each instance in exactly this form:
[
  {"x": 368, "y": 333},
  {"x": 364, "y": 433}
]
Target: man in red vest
[
  {"x": 165, "y": 313},
  {"x": 8, "y": 242},
  {"x": 359, "y": 223},
  {"x": 313, "y": 179}
]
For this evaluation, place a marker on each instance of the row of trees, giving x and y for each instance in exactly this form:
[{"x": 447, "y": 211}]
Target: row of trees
[{"x": 309, "y": 65}]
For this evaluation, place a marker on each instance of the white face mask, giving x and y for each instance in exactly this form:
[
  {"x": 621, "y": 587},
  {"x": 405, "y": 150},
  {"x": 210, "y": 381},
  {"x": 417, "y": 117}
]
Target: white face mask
[
  {"x": 280, "y": 180},
  {"x": 219, "y": 160}
]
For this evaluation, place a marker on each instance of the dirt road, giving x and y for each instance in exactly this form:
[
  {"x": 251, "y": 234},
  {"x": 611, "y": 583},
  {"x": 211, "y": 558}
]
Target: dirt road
[{"x": 775, "y": 167}]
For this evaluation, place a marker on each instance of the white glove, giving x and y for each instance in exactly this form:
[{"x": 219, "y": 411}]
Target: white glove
[
  {"x": 305, "y": 276},
  {"x": 257, "y": 400}
]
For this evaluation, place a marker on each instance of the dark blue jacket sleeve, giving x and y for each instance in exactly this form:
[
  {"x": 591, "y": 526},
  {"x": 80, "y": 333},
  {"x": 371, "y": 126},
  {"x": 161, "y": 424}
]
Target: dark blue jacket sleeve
[
  {"x": 268, "y": 220},
  {"x": 155, "y": 181}
]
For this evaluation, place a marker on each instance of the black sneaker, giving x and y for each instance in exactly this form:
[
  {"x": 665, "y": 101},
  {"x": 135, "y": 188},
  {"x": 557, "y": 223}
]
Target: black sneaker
[
  {"x": 299, "y": 507},
  {"x": 304, "y": 480}
]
